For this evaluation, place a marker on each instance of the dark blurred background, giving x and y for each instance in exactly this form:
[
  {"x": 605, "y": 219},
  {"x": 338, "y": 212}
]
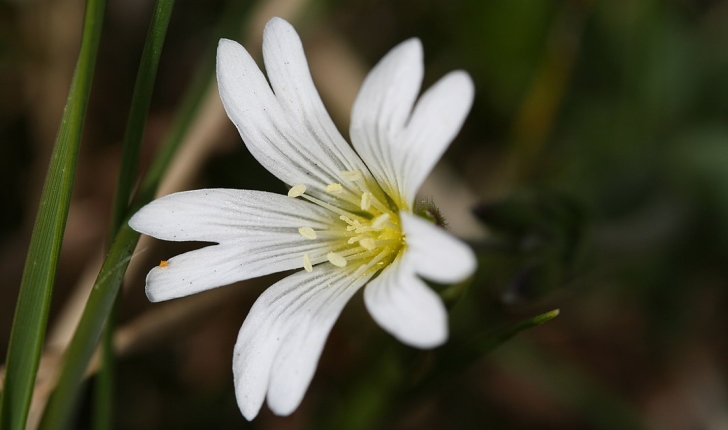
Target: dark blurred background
[{"x": 591, "y": 176}]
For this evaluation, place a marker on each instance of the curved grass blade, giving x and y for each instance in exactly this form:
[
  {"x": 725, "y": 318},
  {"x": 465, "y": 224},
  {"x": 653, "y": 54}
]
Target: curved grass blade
[
  {"x": 463, "y": 354},
  {"x": 31, "y": 311},
  {"x": 140, "y": 102},
  {"x": 106, "y": 287},
  {"x": 101, "y": 300},
  {"x": 141, "y": 99},
  {"x": 397, "y": 380}
]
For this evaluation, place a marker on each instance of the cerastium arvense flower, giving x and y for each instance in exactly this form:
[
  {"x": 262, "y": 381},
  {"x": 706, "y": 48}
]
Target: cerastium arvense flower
[{"x": 347, "y": 220}]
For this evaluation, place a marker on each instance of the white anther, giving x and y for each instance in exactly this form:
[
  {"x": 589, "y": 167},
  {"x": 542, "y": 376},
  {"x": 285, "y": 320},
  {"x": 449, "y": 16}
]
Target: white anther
[
  {"x": 307, "y": 232},
  {"x": 307, "y": 263},
  {"x": 351, "y": 175},
  {"x": 336, "y": 259},
  {"x": 368, "y": 244},
  {"x": 380, "y": 221},
  {"x": 366, "y": 201},
  {"x": 334, "y": 188},
  {"x": 297, "y": 190}
]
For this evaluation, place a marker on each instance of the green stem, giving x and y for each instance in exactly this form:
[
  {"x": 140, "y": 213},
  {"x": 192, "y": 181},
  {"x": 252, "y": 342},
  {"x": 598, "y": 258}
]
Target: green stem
[{"x": 31, "y": 312}]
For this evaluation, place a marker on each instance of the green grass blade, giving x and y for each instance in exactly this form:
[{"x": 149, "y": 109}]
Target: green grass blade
[
  {"x": 106, "y": 287},
  {"x": 140, "y": 102},
  {"x": 463, "y": 353},
  {"x": 86, "y": 337},
  {"x": 141, "y": 99},
  {"x": 230, "y": 27},
  {"x": 31, "y": 311},
  {"x": 103, "y": 412},
  {"x": 395, "y": 380}
]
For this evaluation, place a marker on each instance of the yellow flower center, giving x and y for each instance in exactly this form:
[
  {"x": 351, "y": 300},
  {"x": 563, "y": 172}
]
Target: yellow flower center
[{"x": 368, "y": 238}]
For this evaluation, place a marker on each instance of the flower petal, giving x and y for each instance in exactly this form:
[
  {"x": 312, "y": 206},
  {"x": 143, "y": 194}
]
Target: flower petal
[
  {"x": 281, "y": 340},
  {"x": 436, "y": 120},
  {"x": 381, "y": 109},
  {"x": 289, "y": 75},
  {"x": 407, "y": 308},
  {"x": 435, "y": 254},
  {"x": 237, "y": 260},
  {"x": 295, "y": 143},
  {"x": 258, "y": 232},
  {"x": 219, "y": 215}
]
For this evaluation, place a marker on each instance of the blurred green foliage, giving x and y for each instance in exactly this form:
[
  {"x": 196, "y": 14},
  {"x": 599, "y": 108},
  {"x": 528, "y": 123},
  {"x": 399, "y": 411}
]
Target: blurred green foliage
[{"x": 598, "y": 150}]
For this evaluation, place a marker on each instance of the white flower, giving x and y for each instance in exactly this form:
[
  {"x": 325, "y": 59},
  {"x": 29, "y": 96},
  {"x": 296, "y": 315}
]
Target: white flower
[{"x": 347, "y": 220}]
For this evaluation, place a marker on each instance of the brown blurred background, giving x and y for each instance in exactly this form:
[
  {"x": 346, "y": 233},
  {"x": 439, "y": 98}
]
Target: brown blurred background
[{"x": 591, "y": 176}]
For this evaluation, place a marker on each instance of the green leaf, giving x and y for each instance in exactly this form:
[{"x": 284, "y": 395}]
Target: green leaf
[
  {"x": 140, "y": 108},
  {"x": 141, "y": 99},
  {"x": 399, "y": 375},
  {"x": 461, "y": 353},
  {"x": 106, "y": 287},
  {"x": 86, "y": 337},
  {"x": 31, "y": 311}
]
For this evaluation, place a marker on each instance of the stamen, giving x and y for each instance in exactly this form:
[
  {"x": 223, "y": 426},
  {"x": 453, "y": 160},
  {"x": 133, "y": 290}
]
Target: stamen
[
  {"x": 330, "y": 207},
  {"x": 297, "y": 190},
  {"x": 351, "y": 175},
  {"x": 355, "y": 239},
  {"x": 163, "y": 263},
  {"x": 332, "y": 233},
  {"x": 334, "y": 189},
  {"x": 380, "y": 221},
  {"x": 347, "y": 220},
  {"x": 363, "y": 268},
  {"x": 366, "y": 201},
  {"x": 353, "y": 224},
  {"x": 307, "y": 232},
  {"x": 368, "y": 244},
  {"x": 307, "y": 263},
  {"x": 336, "y": 259}
]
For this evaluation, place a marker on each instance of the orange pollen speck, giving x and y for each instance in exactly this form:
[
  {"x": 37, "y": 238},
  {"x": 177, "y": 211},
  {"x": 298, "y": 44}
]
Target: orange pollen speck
[{"x": 163, "y": 263}]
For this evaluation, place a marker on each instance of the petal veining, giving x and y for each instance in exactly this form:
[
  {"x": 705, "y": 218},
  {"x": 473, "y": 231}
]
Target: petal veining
[
  {"x": 436, "y": 120},
  {"x": 345, "y": 221},
  {"x": 219, "y": 215},
  {"x": 436, "y": 254},
  {"x": 237, "y": 260},
  {"x": 381, "y": 109},
  {"x": 289, "y": 75},
  {"x": 282, "y": 338},
  {"x": 281, "y": 135}
]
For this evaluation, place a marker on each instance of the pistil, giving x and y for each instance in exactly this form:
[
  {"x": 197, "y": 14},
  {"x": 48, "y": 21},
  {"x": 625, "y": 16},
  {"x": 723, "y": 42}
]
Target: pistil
[{"x": 364, "y": 239}]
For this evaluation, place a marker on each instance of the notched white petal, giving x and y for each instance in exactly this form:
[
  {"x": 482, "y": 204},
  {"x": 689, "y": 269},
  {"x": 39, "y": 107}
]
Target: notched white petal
[
  {"x": 381, "y": 110},
  {"x": 436, "y": 254},
  {"x": 436, "y": 120},
  {"x": 281, "y": 340},
  {"x": 407, "y": 308}
]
